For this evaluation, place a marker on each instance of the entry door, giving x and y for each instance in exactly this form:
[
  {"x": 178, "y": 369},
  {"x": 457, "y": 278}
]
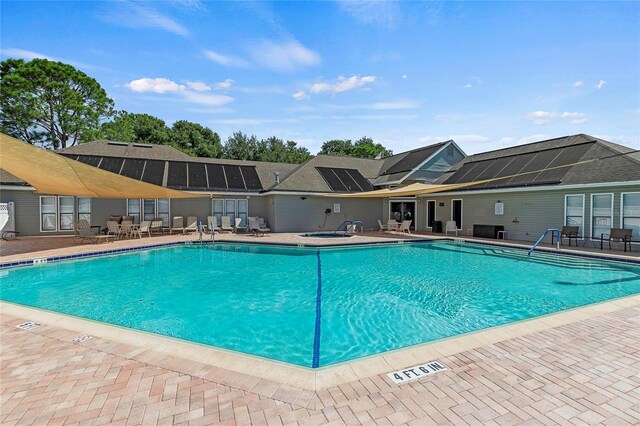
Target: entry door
[
  {"x": 431, "y": 213},
  {"x": 402, "y": 210}
]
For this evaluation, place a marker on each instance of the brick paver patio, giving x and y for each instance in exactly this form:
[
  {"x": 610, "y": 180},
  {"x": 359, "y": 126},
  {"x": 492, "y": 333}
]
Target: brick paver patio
[{"x": 585, "y": 372}]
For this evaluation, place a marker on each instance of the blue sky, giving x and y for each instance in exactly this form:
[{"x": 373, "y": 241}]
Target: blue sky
[{"x": 407, "y": 74}]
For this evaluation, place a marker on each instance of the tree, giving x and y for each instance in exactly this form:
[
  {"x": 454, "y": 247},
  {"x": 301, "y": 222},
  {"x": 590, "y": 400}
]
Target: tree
[
  {"x": 241, "y": 147},
  {"x": 50, "y": 103},
  {"x": 196, "y": 140},
  {"x": 275, "y": 150},
  {"x": 336, "y": 147},
  {"x": 366, "y": 148},
  {"x": 138, "y": 128}
]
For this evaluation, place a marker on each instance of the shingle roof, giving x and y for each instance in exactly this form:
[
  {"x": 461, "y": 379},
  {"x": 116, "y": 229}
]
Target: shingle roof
[
  {"x": 407, "y": 161},
  {"x": 307, "y": 178},
  {"x": 548, "y": 154},
  {"x": 7, "y": 178}
]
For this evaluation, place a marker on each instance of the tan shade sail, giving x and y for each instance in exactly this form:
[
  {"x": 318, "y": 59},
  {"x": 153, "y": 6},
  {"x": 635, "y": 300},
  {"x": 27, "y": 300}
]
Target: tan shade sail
[
  {"x": 407, "y": 191},
  {"x": 50, "y": 173}
]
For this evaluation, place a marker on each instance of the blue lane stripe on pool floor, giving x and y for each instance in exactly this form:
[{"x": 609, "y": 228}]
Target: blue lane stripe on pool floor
[{"x": 316, "y": 335}]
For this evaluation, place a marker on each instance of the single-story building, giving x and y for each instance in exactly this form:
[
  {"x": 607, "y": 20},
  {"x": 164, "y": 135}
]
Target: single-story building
[{"x": 595, "y": 195}]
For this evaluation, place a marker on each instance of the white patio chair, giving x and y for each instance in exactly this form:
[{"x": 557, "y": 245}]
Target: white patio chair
[{"x": 451, "y": 226}]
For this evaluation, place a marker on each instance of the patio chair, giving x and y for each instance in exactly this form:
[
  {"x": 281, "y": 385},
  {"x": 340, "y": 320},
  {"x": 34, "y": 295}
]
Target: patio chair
[
  {"x": 382, "y": 227},
  {"x": 619, "y": 235},
  {"x": 393, "y": 225},
  {"x": 451, "y": 226},
  {"x": 239, "y": 226},
  {"x": 145, "y": 226},
  {"x": 156, "y": 226},
  {"x": 177, "y": 225},
  {"x": 405, "y": 227},
  {"x": 84, "y": 232},
  {"x": 126, "y": 228},
  {"x": 128, "y": 218},
  {"x": 226, "y": 224},
  {"x": 568, "y": 232},
  {"x": 113, "y": 229},
  {"x": 255, "y": 227},
  {"x": 212, "y": 223},
  {"x": 192, "y": 224}
]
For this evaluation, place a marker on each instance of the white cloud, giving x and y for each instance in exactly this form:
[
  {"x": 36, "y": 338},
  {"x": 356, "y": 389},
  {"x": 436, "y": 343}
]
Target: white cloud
[
  {"x": 506, "y": 140},
  {"x": 465, "y": 139},
  {"x": 404, "y": 76},
  {"x": 207, "y": 98},
  {"x": 578, "y": 83},
  {"x": 138, "y": 15},
  {"x": 225, "y": 84},
  {"x": 540, "y": 118},
  {"x": 252, "y": 121},
  {"x": 601, "y": 84},
  {"x": 468, "y": 86},
  {"x": 375, "y": 12},
  {"x": 300, "y": 95},
  {"x": 155, "y": 85},
  {"x": 395, "y": 105},
  {"x": 285, "y": 56},
  {"x": 227, "y": 61},
  {"x": 342, "y": 84},
  {"x": 198, "y": 86},
  {"x": 29, "y": 55}
]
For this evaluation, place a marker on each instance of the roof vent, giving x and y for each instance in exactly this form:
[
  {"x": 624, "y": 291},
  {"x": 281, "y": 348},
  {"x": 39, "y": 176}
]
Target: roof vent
[
  {"x": 140, "y": 145},
  {"x": 118, "y": 143},
  {"x": 277, "y": 177}
]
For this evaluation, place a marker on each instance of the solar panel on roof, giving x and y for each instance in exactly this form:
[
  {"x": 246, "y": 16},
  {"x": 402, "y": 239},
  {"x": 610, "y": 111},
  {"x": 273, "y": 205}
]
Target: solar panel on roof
[
  {"x": 234, "y": 178},
  {"x": 459, "y": 175},
  {"x": 251, "y": 179},
  {"x": 480, "y": 167},
  {"x": 153, "y": 172},
  {"x": 132, "y": 168},
  {"x": 177, "y": 176},
  {"x": 514, "y": 167},
  {"x": 90, "y": 160},
  {"x": 216, "y": 176},
  {"x": 197, "y": 176},
  {"x": 569, "y": 155},
  {"x": 412, "y": 160},
  {"x": 347, "y": 180},
  {"x": 111, "y": 164},
  {"x": 332, "y": 179},
  {"x": 362, "y": 181},
  {"x": 540, "y": 161},
  {"x": 494, "y": 170}
]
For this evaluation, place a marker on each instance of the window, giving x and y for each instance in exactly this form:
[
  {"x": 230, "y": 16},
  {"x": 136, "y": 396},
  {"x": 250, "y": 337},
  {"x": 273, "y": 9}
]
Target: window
[
  {"x": 431, "y": 213},
  {"x": 601, "y": 214},
  {"x": 574, "y": 211},
  {"x": 243, "y": 210},
  {"x": 230, "y": 210},
  {"x": 456, "y": 212},
  {"x": 48, "y": 213},
  {"x": 84, "y": 209},
  {"x": 148, "y": 209},
  {"x": 217, "y": 209},
  {"x": 163, "y": 210},
  {"x": 56, "y": 213},
  {"x": 631, "y": 212},
  {"x": 133, "y": 209}
]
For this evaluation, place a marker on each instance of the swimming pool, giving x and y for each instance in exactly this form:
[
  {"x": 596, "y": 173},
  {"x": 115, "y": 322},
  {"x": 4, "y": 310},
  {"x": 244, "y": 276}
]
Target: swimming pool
[
  {"x": 327, "y": 235},
  {"x": 317, "y": 307}
]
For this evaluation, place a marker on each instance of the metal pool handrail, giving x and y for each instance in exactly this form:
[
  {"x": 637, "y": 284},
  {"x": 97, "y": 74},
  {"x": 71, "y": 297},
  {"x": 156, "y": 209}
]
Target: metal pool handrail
[{"x": 552, "y": 230}]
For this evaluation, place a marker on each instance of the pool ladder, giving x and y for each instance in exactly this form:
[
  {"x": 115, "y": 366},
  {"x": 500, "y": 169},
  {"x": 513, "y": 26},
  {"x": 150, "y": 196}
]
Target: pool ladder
[
  {"x": 350, "y": 225},
  {"x": 537, "y": 243}
]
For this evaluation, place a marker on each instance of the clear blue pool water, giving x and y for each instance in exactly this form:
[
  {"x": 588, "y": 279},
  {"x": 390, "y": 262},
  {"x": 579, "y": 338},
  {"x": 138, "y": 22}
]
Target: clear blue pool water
[{"x": 318, "y": 307}]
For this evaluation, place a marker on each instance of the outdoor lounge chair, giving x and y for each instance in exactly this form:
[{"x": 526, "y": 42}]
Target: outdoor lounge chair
[
  {"x": 192, "y": 224},
  {"x": 239, "y": 226},
  {"x": 212, "y": 223},
  {"x": 126, "y": 227},
  {"x": 568, "y": 232},
  {"x": 405, "y": 226},
  {"x": 113, "y": 229},
  {"x": 145, "y": 227},
  {"x": 226, "y": 224},
  {"x": 156, "y": 226},
  {"x": 84, "y": 232},
  {"x": 255, "y": 227},
  {"x": 451, "y": 226},
  {"x": 382, "y": 227},
  {"x": 177, "y": 225},
  {"x": 619, "y": 235}
]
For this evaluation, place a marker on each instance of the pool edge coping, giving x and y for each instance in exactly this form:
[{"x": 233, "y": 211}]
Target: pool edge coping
[{"x": 324, "y": 377}]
